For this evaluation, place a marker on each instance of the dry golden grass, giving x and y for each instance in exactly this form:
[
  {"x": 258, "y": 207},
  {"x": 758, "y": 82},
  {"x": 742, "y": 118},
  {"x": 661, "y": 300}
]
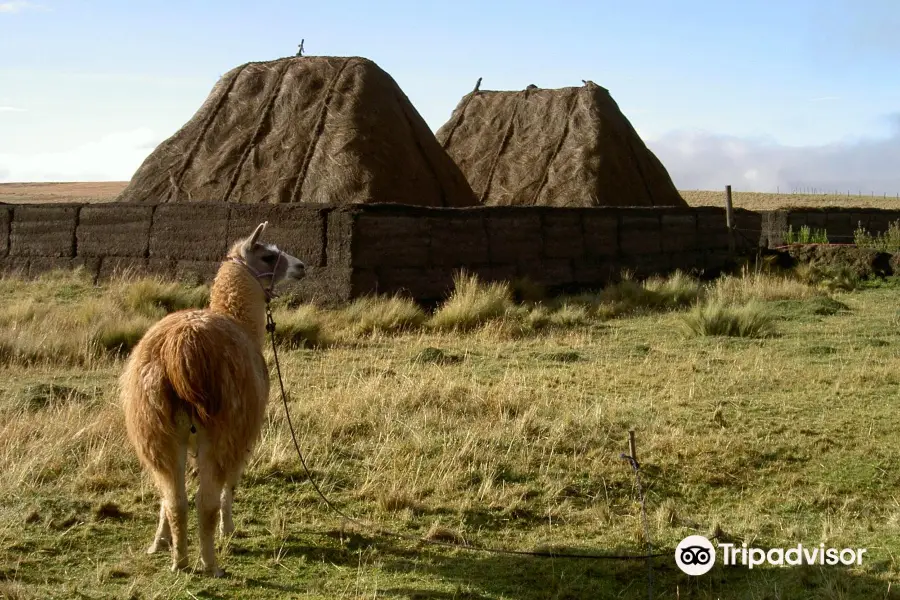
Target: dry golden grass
[
  {"x": 508, "y": 435},
  {"x": 106, "y": 191},
  {"x": 41, "y": 193},
  {"x": 764, "y": 201}
]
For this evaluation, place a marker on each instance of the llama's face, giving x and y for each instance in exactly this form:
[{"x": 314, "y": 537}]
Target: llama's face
[
  {"x": 268, "y": 261},
  {"x": 275, "y": 264}
]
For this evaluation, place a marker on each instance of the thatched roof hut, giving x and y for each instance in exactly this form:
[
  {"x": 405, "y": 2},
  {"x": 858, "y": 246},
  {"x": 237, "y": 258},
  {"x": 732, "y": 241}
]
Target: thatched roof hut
[
  {"x": 303, "y": 129},
  {"x": 554, "y": 147}
]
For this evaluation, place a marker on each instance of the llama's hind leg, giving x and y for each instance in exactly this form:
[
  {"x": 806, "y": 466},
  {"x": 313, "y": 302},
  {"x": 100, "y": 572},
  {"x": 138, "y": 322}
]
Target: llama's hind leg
[
  {"x": 175, "y": 501},
  {"x": 226, "y": 525},
  {"x": 174, "y": 505},
  {"x": 209, "y": 497},
  {"x": 163, "y": 538}
]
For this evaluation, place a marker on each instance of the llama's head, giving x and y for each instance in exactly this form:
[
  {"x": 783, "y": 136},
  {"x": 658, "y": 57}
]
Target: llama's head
[{"x": 266, "y": 261}]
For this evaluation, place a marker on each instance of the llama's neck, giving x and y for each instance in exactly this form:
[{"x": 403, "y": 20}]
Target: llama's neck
[{"x": 238, "y": 294}]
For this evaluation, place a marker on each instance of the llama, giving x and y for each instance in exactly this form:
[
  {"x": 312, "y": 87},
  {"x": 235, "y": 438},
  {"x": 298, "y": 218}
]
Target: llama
[{"x": 197, "y": 383}]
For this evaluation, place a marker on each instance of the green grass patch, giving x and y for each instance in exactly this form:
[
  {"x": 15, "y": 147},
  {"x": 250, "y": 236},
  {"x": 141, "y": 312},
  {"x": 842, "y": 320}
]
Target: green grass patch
[
  {"x": 806, "y": 236},
  {"x": 887, "y": 241}
]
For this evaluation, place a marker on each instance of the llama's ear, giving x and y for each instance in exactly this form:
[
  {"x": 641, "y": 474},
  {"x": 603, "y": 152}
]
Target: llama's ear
[{"x": 258, "y": 232}]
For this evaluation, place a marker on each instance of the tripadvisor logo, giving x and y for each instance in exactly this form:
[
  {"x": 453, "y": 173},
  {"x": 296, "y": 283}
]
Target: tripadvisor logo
[{"x": 696, "y": 555}]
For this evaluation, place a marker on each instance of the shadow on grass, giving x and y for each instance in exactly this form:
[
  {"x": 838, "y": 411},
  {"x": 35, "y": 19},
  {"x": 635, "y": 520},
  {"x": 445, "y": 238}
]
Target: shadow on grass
[
  {"x": 479, "y": 575},
  {"x": 486, "y": 576}
]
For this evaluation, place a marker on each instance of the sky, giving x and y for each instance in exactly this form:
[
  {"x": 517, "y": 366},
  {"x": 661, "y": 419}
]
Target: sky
[{"x": 762, "y": 95}]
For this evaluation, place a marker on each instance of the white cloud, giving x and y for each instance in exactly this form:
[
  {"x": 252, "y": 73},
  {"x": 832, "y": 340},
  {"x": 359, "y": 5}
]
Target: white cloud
[
  {"x": 11, "y": 109},
  {"x": 707, "y": 161},
  {"x": 17, "y": 6},
  {"x": 114, "y": 157}
]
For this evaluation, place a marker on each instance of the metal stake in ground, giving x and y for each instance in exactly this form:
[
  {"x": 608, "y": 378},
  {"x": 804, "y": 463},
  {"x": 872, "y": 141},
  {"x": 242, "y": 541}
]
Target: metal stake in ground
[{"x": 632, "y": 458}]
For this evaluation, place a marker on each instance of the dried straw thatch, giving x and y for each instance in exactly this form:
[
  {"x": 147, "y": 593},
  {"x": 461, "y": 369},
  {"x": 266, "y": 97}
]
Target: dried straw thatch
[
  {"x": 554, "y": 147},
  {"x": 303, "y": 129}
]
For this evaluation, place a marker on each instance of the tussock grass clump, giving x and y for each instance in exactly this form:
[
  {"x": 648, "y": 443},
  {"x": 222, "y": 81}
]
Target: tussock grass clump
[
  {"x": 472, "y": 304},
  {"x": 760, "y": 286},
  {"x": 156, "y": 298},
  {"x": 832, "y": 279},
  {"x": 301, "y": 328},
  {"x": 752, "y": 320},
  {"x": 630, "y": 296},
  {"x": 117, "y": 337},
  {"x": 676, "y": 291},
  {"x": 378, "y": 314},
  {"x": 840, "y": 279}
]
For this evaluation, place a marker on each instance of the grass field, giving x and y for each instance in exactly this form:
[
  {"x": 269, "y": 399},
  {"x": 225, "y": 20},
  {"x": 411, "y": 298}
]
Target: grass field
[
  {"x": 489, "y": 422},
  {"x": 106, "y": 191},
  {"x": 764, "y": 201}
]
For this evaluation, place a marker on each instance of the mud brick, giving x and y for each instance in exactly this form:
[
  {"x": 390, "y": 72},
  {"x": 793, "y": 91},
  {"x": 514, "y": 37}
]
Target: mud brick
[
  {"x": 712, "y": 229},
  {"x": 339, "y": 245},
  {"x": 114, "y": 230},
  {"x": 563, "y": 234},
  {"x": 429, "y": 283},
  {"x": 458, "y": 239},
  {"x": 645, "y": 265},
  {"x": 43, "y": 230},
  {"x": 678, "y": 232},
  {"x": 5, "y": 218},
  {"x": 14, "y": 266},
  {"x": 601, "y": 232},
  {"x": 390, "y": 240},
  {"x": 513, "y": 235},
  {"x": 196, "y": 272},
  {"x": 161, "y": 267},
  {"x": 190, "y": 231},
  {"x": 594, "y": 274},
  {"x": 549, "y": 271},
  {"x": 640, "y": 233},
  {"x": 839, "y": 225}
]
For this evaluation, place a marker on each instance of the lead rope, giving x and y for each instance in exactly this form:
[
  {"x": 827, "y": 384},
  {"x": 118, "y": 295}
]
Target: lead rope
[{"x": 270, "y": 327}]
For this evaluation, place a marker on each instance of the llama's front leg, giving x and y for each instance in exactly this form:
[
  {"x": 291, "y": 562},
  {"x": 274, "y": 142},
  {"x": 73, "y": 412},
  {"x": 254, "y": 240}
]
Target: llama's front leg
[
  {"x": 163, "y": 538},
  {"x": 226, "y": 525}
]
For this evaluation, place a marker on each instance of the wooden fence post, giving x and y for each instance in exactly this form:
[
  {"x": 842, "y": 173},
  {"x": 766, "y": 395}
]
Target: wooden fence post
[{"x": 729, "y": 219}]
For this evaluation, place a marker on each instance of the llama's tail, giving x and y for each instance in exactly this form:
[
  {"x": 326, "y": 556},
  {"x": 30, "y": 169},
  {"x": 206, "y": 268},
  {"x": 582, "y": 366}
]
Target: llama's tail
[{"x": 191, "y": 369}]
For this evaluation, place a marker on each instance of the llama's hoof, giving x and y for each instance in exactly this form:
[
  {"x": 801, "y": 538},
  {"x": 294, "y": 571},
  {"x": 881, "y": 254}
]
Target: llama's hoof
[
  {"x": 157, "y": 546},
  {"x": 180, "y": 565},
  {"x": 217, "y": 572}
]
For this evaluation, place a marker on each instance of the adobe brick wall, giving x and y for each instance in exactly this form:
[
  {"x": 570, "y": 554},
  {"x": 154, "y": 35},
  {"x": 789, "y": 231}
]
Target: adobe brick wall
[
  {"x": 186, "y": 241},
  {"x": 413, "y": 250},
  {"x": 381, "y": 248}
]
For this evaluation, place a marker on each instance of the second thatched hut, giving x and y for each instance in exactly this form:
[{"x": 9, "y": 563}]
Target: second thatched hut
[{"x": 554, "y": 147}]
